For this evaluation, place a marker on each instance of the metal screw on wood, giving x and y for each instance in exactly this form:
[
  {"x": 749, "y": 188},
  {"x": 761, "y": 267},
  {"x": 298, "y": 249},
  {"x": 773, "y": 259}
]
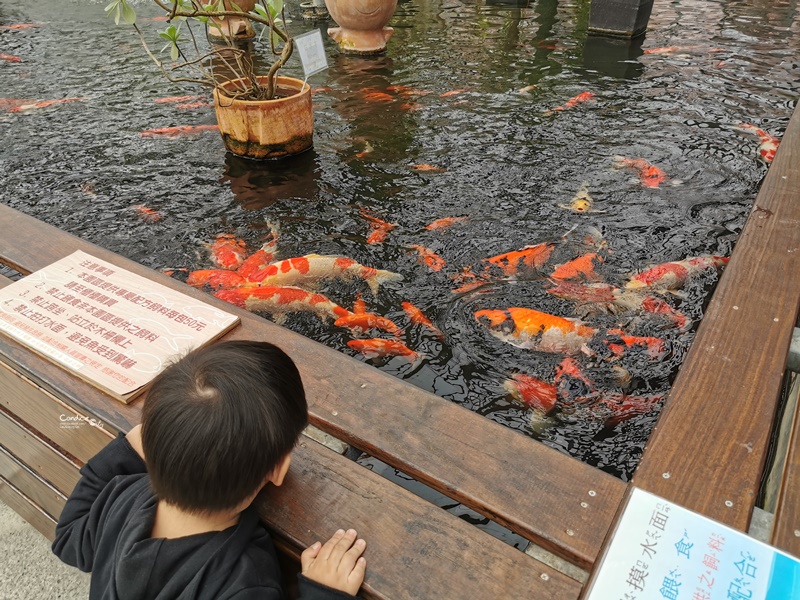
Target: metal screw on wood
[
  {"x": 584, "y": 505},
  {"x": 545, "y": 577},
  {"x": 592, "y": 493},
  {"x": 728, "y": 503},
  {"x": 334, "y": 413},
  {"x": 797, "y": 533},
  {"x": 570, "y": 532},
  {"x": 665, "y": 475}
]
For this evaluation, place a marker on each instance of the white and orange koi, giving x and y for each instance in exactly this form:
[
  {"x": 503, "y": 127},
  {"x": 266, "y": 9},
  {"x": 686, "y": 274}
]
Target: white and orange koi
[
  {"x": 281, "y": 300},
  {"x": 619, "y": 342},
  {"x": 178, "y": 130},
  {"x": 42, "y": 104},
  {"x": 217, "y": 279},
  {"x": 649, "y": 175},
  {"x": 361, "y": 322},
  {"x": 254, "y": 266},
  {"x": 534, "y": 330},
  {"x": 377, "y": 348},
  {"x": 304, "y": 270},
  {"x": 228, "y": 252},
  {"x": 444, "y": 222},
  {"x": 530, "y": 391},
  {"x": 769, "y": 143},
  {"x": 10, "y": 58},
  {"x": 418, "y": 318},
  {"x": 672, "y": 275}
]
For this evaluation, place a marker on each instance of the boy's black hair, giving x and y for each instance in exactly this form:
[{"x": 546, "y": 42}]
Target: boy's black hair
[{"x": 218, "y": 421}]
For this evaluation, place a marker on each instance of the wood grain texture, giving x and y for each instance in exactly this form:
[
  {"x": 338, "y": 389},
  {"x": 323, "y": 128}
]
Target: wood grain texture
[
  {"x": 41, "y": 493},
  {"x": 37, "y": 454},
  {"x": 436, "y": 554},
  {"x": 786, "y": 526},
  {"x": 533, "y": 490},
  {"x": 55, "y": 420},
  {"x": 712, "y": 438},
  {"x": 13, "y": 498}
]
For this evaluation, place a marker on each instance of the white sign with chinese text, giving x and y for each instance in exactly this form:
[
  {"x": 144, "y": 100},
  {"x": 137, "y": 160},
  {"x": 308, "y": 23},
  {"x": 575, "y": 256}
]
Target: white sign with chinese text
[
  {"x": 663, "y": 551},
  {"x": 112, "y": 327},
  {"x": 312, "y": 52}
]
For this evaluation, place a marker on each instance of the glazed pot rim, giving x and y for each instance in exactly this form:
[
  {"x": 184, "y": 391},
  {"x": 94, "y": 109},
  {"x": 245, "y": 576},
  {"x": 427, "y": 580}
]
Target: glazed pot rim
[{"x": 301, "y": 87}]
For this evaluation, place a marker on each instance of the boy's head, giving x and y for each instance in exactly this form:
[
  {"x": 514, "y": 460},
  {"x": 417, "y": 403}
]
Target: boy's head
[{"x": 217, "y": 422}]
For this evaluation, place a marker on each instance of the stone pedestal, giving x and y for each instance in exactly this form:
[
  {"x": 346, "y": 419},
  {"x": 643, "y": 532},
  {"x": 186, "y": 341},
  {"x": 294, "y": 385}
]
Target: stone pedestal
[
  {"x": 361, "y": 23},
  {"x": 619, "y": 18}
]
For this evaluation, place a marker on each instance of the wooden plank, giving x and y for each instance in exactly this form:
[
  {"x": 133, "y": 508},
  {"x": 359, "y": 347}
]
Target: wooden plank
[
  {"x": 27, "y": 510},
  {"x": 41, "y": 493},
  {"x": 37, "y": 454},
  {"x": 531, "y": 489},
  {"x": 786, "y": 526},
  {"x": 435, "y": 554},
  {"x": 81, "y": 435},
  {"x": 708, "y": 450}
]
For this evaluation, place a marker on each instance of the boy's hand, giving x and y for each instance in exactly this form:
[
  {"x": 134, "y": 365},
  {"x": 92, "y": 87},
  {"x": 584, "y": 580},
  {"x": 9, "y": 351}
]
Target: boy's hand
[
  {"x": 134, "y": 437},
  {"x": 337, "y": 563}
]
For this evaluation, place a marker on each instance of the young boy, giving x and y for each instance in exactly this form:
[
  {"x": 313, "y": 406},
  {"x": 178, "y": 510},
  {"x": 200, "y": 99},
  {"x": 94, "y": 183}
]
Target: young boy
[{"x": 167, "y": 511}]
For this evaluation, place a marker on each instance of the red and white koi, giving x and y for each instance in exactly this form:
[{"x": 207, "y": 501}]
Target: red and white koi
[
  {"x": 418, "y": 318},
  {"x": 217, "y": 279},
  {"x": 672, "y": 275},
  {"x": 530, "y": 391},
  {"x": 649, "y": 175},
  {"x": 178, "y": 130},
  {"x": 228, "y": 252},
  {"x": 769, "y": 143},
  {"x": 428, "y": 257},
  {"x": 377, "y": 348},
  {"x": 534, "y": 330},
  {"x": 43, "y": 104},
  {"x": 19, "y": 26},
  {"x": 426, "y": 168},
  {"x": 445, "y": 222},
  {"x": 281, "y": 300},
  {"x": 314, "y": 267},
  {"x": 361, "y": 322},
  {"x": 619, "y": 342},
  {"x": 10, "y": 58},
  {"x": 254, "y": 266}
]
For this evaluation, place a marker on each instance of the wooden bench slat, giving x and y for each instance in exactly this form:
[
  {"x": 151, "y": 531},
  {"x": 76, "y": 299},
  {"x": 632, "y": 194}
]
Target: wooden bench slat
[
  {"x": 47, "y": 415},
  {"x": 786, "y": 526},
  {"x": 48, "y": 498},
  {"x": 531, "y": 489},
  {"x": 27, "y": 510},
  {"x": 420, "y": 541},
  {"x": 38, "y": 455},
  {"x": 708, "y": 450}
]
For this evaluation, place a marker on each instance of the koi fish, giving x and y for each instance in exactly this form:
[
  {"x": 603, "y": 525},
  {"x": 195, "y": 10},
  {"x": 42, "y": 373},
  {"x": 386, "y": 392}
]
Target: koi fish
[
  {"x": 534, "y": 330},
  {"x": 624, "y": 407},
  {"x": 581, "y": 202},
  {"x": 581, "y": 267},
  {"x": 42, "y": 104},
  {"x": 148, "y": 215},
  {"x": 217, "y": 279},
  {"x": 573, "y": 386},
  {"x": 314, "y": 267},
  {"x": 574, "y": 101},
  {"x": 523, "y": 262},
  {"x": 359, "y": 306},
  {"x": 666, "y": 49},
  {"x": 361, "y": 322},
  {"x": 377, "y": 347},
  {"x": 530, "y": 391},
  {"x": 10, "y": 58},
  {"x": 176, "y": 99},
  {"x": 228, "y": 252},
  {"x": 380, "y": 228},
  {"x": 192, "y": 105},
  {"x": 769, "y": 143},
  {"x": 178, "y": 130},
  {"x": 19, "y": 26},
  {"x": 672, "y": 275},
  {"x": 433, "y": 261},
  {"x": 452, "y": 93},
  {"x": 527, "y": 89},
  {"x": 254, "y": 267},
  {"x": 320, "y": 90},
  {"x": 367, "y": 150},
  {"x": 649, "y": 175},
  {"x": 619, "y": 342},
  {"x": 426, "y": 168},
  {"x": 445, "y": 222},
  {"x": 281, "y": 300},
  {"x": 418, "y": 318},
  {"x": 376, "y": 96},
  {"x": 9, "y": 103}
]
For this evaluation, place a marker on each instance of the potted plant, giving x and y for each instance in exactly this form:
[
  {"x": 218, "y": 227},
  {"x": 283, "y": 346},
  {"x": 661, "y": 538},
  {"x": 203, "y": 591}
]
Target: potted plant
[{"x": 259, "y": 116}]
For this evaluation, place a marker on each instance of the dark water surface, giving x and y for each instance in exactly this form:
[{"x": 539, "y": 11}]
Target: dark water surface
[{"x": 83, "y": 166}]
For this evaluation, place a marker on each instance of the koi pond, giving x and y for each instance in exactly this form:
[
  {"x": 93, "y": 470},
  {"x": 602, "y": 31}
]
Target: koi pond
[{"x": 477, "y": 115}]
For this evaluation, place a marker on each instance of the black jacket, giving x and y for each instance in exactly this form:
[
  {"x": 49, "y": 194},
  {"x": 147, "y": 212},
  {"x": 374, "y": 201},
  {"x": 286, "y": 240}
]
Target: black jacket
[{"x": 105, "y": 528}]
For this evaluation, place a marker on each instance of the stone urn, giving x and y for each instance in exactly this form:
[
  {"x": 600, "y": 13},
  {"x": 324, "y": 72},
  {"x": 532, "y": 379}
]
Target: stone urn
[
  {"x": 362, "y": 25},
  {"x": 234, "y": 28}
]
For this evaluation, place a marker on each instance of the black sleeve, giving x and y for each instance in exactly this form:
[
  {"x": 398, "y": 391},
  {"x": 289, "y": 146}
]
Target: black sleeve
[
  {"x": 311, "y": 590},
  {"x": 78, "y": 526}
]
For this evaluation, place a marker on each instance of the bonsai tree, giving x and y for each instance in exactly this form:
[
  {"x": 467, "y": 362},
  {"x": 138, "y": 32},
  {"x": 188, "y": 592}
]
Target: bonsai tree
[{"x": 192, "y": 60}]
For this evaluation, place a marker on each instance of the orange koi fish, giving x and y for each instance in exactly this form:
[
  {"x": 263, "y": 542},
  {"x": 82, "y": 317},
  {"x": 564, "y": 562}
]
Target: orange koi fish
[
  {"x": 452, "y": 93},
  {"x": 228, "y": 252},
  {"x": 9, "y": 103},
  {"x": 445, "y": 222},
  {"x": 418, "y": 318},
  {"x": 176, "y": 99},
  {"x": 534, "y": 330},
  {"x": 254, "y": 266},
  {"x": 666, "y": 49},
  {"x": 535, "y": 393},
  {"x": 19, "y": 26},
  {"x": 523, "y": 262},
  {"x": 672, "y": 275},
  {"x": 377, "y": 347},
  {"x": 43, "y": 104},
  {"x": 574, "y": 101},
  {"x": 10, "y": 58},
  {"x": 178, "y": 130},
  {"x": 314, "y": 267},
  {"x": 192, "y": 105},
  {"x": 359, "y": 306},
  {"x": 426, "y": 168},
  {"x": 361, "y": 322},
  {"x": 619, "y": 342},
  {"x": 579, "y": 268},
  {"x": 148, "y": 215},
  {"x": 376, "y": 96},
  {"x": 624, "y": 407},
  {"x": 649, "y": 175},
  {"x": 433, "y": 261},
  {"x": 217, "y": 279},
  {"x": 380, "y": 228},
  {"x": 281, "y": 300},
  {"x": 769, "y": 143}
]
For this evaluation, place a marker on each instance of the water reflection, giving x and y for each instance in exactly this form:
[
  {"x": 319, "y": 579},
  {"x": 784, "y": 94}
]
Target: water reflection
[{"x": 613, "y": 56}]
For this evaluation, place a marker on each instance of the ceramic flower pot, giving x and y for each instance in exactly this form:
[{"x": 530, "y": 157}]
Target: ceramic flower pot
[
  {"x": 362, "y": 25},
  {"x": 234, "y": 27},
  {"x": 267, "y": 129}
]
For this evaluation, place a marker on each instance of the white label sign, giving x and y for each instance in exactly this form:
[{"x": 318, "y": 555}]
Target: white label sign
[{"x": 312, "y": 52}]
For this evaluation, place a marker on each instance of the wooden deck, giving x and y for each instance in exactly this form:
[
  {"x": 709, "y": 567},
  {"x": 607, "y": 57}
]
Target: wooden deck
[{"x": 707, "y": 452}]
